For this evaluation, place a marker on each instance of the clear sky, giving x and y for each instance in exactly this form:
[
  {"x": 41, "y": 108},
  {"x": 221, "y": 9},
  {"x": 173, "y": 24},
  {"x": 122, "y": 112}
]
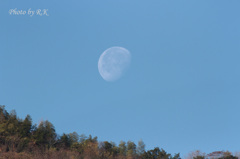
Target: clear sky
[{"x": 181, "y": 92}]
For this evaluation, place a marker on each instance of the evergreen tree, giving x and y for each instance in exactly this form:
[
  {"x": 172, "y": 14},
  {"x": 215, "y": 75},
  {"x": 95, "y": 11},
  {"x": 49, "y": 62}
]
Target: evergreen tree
[{"x": 45, "y": 135}]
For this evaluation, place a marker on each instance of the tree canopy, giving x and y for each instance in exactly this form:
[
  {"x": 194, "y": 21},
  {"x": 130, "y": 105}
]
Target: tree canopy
[{"x": 19, "y": 138}]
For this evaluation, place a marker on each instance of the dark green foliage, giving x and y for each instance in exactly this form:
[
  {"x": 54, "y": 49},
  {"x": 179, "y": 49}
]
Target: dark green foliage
[
  {"x": 45, "y": 135},
  {"x": 26, "y": 127},
  {"x": 156, "y": 153},
  {"x": 106, "y": 149},
  {"x": 229, "y": 157},
  {"x": 176, "y": 156},
  {"x": 65, "y": 141},
  {"x": 199, "y": 157}
]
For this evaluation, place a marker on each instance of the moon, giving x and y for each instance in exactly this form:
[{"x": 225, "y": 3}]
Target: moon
[{"x": 113, "y": 63}]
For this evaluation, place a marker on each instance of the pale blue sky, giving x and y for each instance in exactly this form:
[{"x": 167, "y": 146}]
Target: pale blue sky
[{"x": 181, "y": 93}]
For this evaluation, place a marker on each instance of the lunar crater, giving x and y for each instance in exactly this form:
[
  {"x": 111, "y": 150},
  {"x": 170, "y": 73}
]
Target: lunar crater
[{"x": 113, "y": 63}]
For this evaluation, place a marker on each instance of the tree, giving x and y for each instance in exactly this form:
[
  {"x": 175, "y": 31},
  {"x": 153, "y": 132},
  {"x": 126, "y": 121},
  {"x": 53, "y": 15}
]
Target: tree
[
  {"x": 82, "y": 138},
  {"x": 3, "y": 124},
  {"x": 106, "y": 149},
  {"x": 176, "y": 156},
  {"x": 45, "y": 134},
  {"x": 3, "y": 114},
  {"x": 64, "y": 141},
  {"x": 156, "y": 153},
  {"x": 90, "y": 147},
  {"x": 9, "y": 130},
  {"x": 195, "y": 154},
  {"x": 228, "y": 155},
  {"x": 199, "y": 157},
  {"x": 140, "y": 147},
  {"x": 26, "y": 127},
  {"x": 74, "y": 137},
  {"x": 131, "y": 148},
  {"x": 122, "y": 148}
]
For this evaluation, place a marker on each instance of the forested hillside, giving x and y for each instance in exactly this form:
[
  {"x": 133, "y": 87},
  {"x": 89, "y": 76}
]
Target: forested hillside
[{"x": 21, "y": 139}]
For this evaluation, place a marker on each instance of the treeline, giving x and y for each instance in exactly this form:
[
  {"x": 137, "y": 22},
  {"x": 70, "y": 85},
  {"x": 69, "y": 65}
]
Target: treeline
[
  {"x": 214, "y": 155},
  {"x": 20, "y": 139}
]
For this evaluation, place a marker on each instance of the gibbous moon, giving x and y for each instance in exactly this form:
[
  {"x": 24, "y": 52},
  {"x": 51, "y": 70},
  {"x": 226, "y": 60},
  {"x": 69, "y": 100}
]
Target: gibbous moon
[{"x": 113, "y": 63}]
